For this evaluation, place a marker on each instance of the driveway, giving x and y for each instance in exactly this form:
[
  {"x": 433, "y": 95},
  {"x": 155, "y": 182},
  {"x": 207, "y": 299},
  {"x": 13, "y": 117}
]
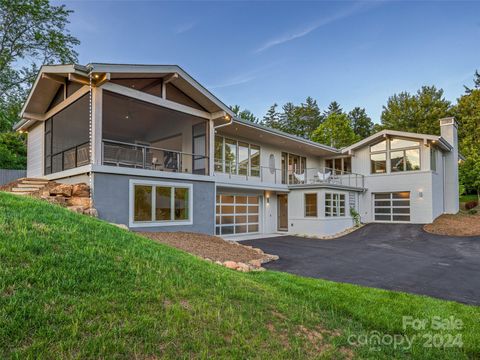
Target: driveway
[{"x": 399, "y": 257}]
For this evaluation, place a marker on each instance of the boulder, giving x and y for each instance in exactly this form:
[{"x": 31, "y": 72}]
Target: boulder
[
  {"x": 243, "y": 267},
  {"x": 91, "y": 212},
  {"x": 62, "y": 189},
  {"x": 255, "y": 263},
  {"x": 77, "y": 209},
  {"x": 79, "y": 201},
  {"x": 230, "y": 264},
  {"x": 81, "y": 190}
]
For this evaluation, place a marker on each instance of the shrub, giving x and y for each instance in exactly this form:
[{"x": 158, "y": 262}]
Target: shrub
[
  {"x": 471, "y": 204},
  {"x": 355, "y": 215},
  {"x": 472, "y": 211}
]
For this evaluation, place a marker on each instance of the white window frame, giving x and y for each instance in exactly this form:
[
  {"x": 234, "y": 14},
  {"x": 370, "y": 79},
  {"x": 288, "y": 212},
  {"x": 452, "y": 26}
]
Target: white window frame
[
  {"x": 337, "y": 205},
  {"x": 389, "y": 150},
  {"x": 131, "y": 206}
]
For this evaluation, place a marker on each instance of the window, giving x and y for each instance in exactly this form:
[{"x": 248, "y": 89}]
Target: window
[
  {"x": 334, "y": 204},
  {"x": 433, "y": 159},
  {"x": 311, "y": 205},
  {"x": 401, "y": 154},
  {"x": 161, "y": 204},
  {"x": 292, "y": 164},
  {"x": 236, "y": 157},
  {"x": 340, "y": 165}
]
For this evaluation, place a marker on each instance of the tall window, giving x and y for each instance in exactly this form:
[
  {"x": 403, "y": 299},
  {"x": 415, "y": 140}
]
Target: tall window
[
  {"x": 311, "y": 205},
  {"x": 400, "y": 154},
  {"x": 161, "y": 203},
  {"x": 378, "y": 157},
  {"x": 334, "y": 204},
  {"x": 433, "y": 159},
  {"x": 236, "y": 157}
]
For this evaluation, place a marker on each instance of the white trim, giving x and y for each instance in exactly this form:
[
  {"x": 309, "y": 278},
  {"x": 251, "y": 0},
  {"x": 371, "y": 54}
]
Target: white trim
[
  {"x": 152, "y": 99},
  {"x": 131, "y": 205},
  {"x": 150, "y": 173},
  {"x": 97, "y": 124},
  {"x": 70, "y": 172}
]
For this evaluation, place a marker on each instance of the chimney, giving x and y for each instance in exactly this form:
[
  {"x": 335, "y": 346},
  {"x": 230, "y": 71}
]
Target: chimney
[{"x": 448, "y": 131}]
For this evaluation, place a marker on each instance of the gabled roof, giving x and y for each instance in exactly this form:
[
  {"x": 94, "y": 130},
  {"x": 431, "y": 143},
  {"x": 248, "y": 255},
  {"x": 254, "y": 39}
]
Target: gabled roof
[
  {"x": 438, "y": 140},
  {"x": 44, "y": 88}
]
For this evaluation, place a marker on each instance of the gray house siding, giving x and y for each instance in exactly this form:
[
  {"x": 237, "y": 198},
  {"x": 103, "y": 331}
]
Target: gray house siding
[{"x": 111, "y": 199}]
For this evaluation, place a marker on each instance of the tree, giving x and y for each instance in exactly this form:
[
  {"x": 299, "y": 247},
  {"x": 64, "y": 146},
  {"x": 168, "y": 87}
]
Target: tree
[
  {"x": 300, "y": 120},
  {"x": 272, "y": 118},
  {"x": 244, "y": 114},
  {"x": 333, "y": 108},
  {"x": 335, "y": 131},
  {"x": 417, "y": 113},
  {"x": 467, "y": 113},
  {"x": 360, "y": 122},
  {"x": 13, "y": 153},
  {"x": 476, "y": 83},
  {"x": 32, "y": 33}
]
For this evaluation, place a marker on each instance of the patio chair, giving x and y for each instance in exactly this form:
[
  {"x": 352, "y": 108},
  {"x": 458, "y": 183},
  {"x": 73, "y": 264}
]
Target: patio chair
[
  {"x": 324, "y": 177},
  {"x": 300, "y": 177}
]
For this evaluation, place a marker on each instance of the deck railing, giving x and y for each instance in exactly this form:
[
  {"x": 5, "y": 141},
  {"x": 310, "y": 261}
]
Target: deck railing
[
  {"x": 138, "y": 156},
  {"x": 326, "y": 175}
]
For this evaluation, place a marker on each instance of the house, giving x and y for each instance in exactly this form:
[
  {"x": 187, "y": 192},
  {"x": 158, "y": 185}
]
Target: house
[{"x": 162, "y": 153}]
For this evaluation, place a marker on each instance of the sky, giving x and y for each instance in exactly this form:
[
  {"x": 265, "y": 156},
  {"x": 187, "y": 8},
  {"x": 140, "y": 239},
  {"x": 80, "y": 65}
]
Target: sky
[{"x": 254, "y": 54}]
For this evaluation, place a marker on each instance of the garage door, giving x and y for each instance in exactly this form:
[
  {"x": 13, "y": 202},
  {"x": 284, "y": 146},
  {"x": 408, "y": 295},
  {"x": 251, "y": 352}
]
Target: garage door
[
  {"x": 392, "y": 207},
  {"x": 237, "y": 214}
]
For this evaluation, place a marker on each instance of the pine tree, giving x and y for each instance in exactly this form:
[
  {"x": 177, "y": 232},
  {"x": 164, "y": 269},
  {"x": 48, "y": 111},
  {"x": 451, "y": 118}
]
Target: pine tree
[
  {"x": 476, "y": 83},
  {"x": 360, "y": 122},
  {"x": 272, "y": 118},
  {"x": 333, "y": 108}
]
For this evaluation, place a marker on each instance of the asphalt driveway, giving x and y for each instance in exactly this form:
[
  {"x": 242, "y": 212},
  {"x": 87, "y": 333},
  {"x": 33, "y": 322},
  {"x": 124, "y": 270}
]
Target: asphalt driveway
[{"x": 399, "y": 257}]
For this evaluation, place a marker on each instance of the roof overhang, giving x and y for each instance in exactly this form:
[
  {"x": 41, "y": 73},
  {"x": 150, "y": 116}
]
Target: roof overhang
[
  {"x": 51, "y": 77},
  {"x": 436, "y": 140},
  {"x": 289, "y": 143}
]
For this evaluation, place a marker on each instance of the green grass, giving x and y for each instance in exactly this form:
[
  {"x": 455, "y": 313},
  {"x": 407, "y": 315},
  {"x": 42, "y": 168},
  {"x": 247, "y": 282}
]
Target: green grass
[
  {"x": 77, "y": 287},
  {"x": 470, "y": 197}
]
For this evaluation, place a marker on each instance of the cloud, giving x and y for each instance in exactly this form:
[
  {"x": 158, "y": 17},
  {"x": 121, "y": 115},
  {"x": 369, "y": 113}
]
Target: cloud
[
  {"x": 319, "y": 23},
  {"x": 237, "y": 80},
  {"x": 183, "y": 28}
]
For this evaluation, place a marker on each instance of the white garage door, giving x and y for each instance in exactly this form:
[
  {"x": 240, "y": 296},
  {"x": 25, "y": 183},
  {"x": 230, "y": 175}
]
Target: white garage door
[
  {"x": 392, "y": 207},
  {"x": 237, "y": 214}
]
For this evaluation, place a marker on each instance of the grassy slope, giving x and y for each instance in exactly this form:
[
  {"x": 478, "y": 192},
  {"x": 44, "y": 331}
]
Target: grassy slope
[{"x": 76, "y": 287}]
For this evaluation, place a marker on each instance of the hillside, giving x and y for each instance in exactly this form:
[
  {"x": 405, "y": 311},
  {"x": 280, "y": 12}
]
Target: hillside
[{"x": 76, "y": 287}]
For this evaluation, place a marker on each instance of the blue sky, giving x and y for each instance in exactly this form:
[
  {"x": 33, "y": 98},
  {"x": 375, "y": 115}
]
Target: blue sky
[{"x": 257, "y": 53}]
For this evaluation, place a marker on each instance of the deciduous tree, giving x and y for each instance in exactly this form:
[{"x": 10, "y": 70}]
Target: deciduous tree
[{"x": 335, "y": 131}]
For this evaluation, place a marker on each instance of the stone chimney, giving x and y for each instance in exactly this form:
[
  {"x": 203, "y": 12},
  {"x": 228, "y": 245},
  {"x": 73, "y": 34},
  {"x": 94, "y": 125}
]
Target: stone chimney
[{"x": 448, "y": 131}]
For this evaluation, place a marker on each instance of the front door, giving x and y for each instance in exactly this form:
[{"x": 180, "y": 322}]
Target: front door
[{"x": 282, "y": 210}]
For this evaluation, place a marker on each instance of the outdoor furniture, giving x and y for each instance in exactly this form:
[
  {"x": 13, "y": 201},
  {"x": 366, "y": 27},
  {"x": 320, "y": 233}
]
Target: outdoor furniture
[
  {"x": 324, "y": 177},
  {"x": 300, "y": 177}
]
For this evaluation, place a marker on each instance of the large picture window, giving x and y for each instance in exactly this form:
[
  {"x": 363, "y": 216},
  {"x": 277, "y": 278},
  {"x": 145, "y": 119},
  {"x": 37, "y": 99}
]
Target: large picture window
[
  {"x": 334, "y": 204},
  {"x": 399, "y": 154},
  {"x": 161, "y": 204},
  {"x": 236, "y": 157}
]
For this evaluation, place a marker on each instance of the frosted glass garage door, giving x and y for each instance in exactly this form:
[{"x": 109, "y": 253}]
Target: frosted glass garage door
[
  {"x": 392, "y": 207},
  {"x": 237, "y": 214}
]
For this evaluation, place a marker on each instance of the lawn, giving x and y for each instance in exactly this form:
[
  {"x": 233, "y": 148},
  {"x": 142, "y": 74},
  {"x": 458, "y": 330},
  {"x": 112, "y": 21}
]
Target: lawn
[
  {"x": 77, "y": 287},
  {"x": 469, "y": 197}
]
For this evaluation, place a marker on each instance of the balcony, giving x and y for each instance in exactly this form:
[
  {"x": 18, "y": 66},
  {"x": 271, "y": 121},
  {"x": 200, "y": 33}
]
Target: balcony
[
  {"x": 326, "y": 176},
  {"x": 137, "y": 156},
  {"x": 275, "y": 176}
]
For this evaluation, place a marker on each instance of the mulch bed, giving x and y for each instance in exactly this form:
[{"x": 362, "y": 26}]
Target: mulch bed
[
  {"x": 206, "y": 246},
  {"x": 460, "y": 224}
]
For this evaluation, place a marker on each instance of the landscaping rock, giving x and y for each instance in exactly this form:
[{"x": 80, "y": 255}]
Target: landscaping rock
[
  {"x": 77, "y": 209},
  {"x": 121, "y": 226},
  {"x": 62, "y": 189},
  {"x": 255, "y": 263},
  {"x": 91, "y": 212},
  {"x": 243, "y": 267},
  {"x": 230, "y": 265},
  {"x": 81, "y": 190},
  {"x": 79, "y": 201}
]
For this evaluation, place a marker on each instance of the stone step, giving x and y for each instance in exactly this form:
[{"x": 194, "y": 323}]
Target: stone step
[
  {"x": 34, "y": 182},
  {"x": 24, "y": 189},
  {"x": 37, "y": 186},
  {"x": 20, "y": 193}
]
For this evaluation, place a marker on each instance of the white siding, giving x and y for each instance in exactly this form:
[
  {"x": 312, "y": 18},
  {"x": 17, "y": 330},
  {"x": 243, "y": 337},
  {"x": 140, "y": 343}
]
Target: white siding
[
  {"x": 35, "y": 149},
  {"x": 320, "y": 225}
]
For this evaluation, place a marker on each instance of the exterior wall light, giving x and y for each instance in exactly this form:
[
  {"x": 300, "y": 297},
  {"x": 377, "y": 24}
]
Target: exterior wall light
[{"x": 420, "y": 194}]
